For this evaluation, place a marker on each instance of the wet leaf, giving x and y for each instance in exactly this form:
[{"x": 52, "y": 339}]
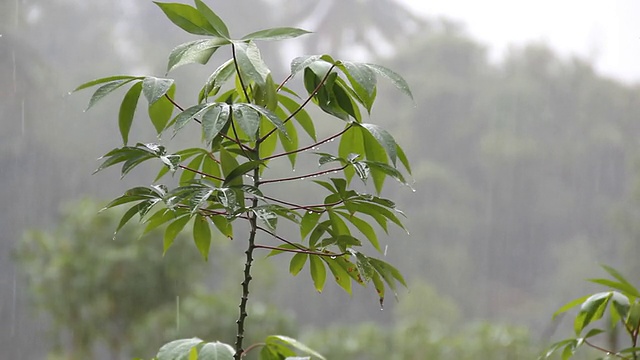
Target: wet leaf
[
  {"x": 188, "y": 18},
  {"x": 250, "y": 62},
  {"x": 214, "y": 120},
  {"x": 173, "y": 230},
  {"x": 154, "y": 88},
  {"x": 105, "y": 90},
  {"x": 216, "y": 22},
  {"x": 396, "y": 79},
  {"x": 197, "y": 51},
  {"x": 318, "y": 272},
  {"x": 297, "y": 263},
  {"x": 280, "y": 33},
  {"x": 127, "y": 110},
  {"x": 202, "y": 235},
  {"x": 247, "y": 118},
  {"x": 178, "y": 349}
]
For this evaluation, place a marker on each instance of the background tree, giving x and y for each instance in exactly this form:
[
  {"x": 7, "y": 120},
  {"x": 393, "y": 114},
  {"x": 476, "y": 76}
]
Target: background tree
[
  {"x": 94, "y": 287},
  {"x": 366, "y": 28}
]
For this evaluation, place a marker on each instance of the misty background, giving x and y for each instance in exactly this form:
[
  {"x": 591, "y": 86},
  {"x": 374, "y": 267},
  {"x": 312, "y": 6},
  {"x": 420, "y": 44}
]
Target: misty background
[{"x": 525, "y": 163}]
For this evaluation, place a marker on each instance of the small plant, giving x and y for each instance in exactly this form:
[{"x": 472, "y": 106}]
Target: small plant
[
  {"x": 622, "y": 304},
  {"x": 248, "y": 123}
]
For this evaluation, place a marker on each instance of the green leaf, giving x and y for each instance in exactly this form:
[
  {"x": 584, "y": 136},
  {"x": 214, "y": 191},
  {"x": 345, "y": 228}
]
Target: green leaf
[
  {"x": 309, "y": 221},
  {"x": 297, "y": 263},
  {"x": 591, "y": 310},
  {"x": 105, "y": 90},
  {"x": 351, "y": 142},
  {"x": 386, "y": 170},
  {"x": 127, "y": 110},
  {"x": 276, "y": 352},
  {"x": 126, "y": 217},
  {"x": 570, "y": 305},
  {"x": 160, "y": 112},
  {"x": 267, "y": 95},
  {"x": 214, "y": 120},
  {"x": 395, "y": 78},
  {"x": 172, "y": 161},
  {"x": 187, "y": 115},
  {"x": 628, "y": 286},
  {"x": 216, "y": 351},
  {"x": 267, "y": 216},
  {"x": 223, "y": 225},
  {"x": 178, "y": 349},
  {"x": 187, "y": 176},
  {"x": 271, "y": 117},
  {"x": 302, "y": 117},
  {"x": 570, "y": 349},
  {"x": 318, "y": 272},
  {"x": 202, "y": 235},
  {"x": 372, "y": 211},
  {"x": 173, "y": 230},
  {"x": 629, "y": 350},
  {"x": 281, "y": 339},
  {"x": 188, "y": 18},
  {"x": 365, "y": 269},
  {"x": 301, "y": 62},
  {"x": 240, "y": 170},
  {"x": 388, "y": 273},
  {"x": 131, "y": 156},
  {"x": 154, "y": 88},
  {"x": 403, "y": 159},
  {"x": 251, "y": 65},
  {"x": 340, "y": 94},
  {"x": 340, "y": 275},
  {"x": 106, "y": 80},
  {"x": 213, "y": 19},
  {"x": 280, "y": 33},
  {"x": 247, "y": 118},
  {"x": 364, "y": 227},
  {"x": 215, "y": 81},
  {"x": 363, "y": 81},
  {"x": 375, "y": 153},
  {"x": 384, "y": 139},
  {"x": 290, "y": 142},
  {"x": 160, "y": 217},
  {"x": 379, "y": 286},
  {"x": 270, "y": 143},
  {"x": 624, "y": 287},
  {"x": 197, "y": 51}
]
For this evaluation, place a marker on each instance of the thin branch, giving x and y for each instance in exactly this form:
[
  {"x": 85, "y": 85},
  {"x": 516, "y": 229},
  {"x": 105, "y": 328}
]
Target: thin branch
[
  {"x": 609, "y": 352},
  {"x": 173, "y": 102},
  {"x": 305, "y": 207},
  {"x": 251, "y": 347},
  {"x": 179, "y": 107},
  {"x": 308, "y": 252},
  {"x": 305, "y": 148},
  {"x": 304, "y": 176},
  {"x": 199, "y": 172},
  {"x": 253, "y": 225},
  {"x": 236, "y": 140},
  {"x": 235, "y": 63},
  {"x": 301, "y": 249},
  {"x": 284, "y": 82},
  {"x": 304, "y": 103},
  {"x": 246, "y": 96}
]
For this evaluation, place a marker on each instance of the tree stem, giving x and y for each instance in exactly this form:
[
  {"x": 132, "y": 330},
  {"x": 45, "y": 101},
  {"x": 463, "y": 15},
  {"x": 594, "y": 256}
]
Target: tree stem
[{"x": 253, "y": 223}]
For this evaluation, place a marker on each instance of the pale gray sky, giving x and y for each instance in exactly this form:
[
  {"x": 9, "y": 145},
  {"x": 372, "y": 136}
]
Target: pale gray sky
[{"x": 605, "y": 32}]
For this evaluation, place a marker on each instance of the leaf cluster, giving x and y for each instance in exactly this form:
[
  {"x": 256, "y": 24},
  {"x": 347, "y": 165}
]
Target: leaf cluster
[
  {"x": 247, "y": 121},
  {"x": 621, "y": 302}
]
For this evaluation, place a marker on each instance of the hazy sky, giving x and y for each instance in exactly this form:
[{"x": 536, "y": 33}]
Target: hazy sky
[{"x": 606, "y": 32}]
